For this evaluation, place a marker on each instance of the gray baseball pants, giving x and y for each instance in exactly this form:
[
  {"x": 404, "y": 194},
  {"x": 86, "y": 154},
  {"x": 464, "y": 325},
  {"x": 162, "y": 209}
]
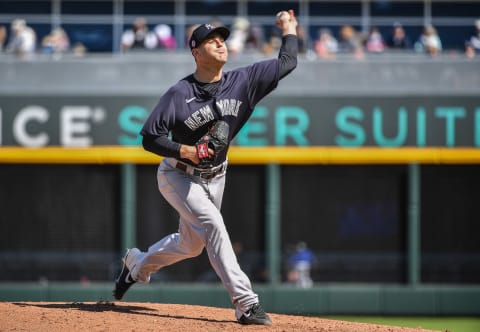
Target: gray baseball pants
[{"x": 201, "y": 226}]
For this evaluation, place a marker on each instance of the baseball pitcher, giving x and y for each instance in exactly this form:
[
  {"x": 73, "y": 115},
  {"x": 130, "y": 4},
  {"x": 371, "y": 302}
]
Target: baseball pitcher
[{"x": 192, "y": 127}]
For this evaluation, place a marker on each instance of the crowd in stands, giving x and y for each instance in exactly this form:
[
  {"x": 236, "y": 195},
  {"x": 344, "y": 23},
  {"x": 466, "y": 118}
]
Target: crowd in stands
[
  {"x": 246, "y": 37},
  {"x": 22, "y": 41},
  {"x": 24, "y": 44},
  {"x": 139, "y": 37}
]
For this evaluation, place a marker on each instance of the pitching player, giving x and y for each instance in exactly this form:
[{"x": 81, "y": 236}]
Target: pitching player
[{"x": 183, "y": 117}]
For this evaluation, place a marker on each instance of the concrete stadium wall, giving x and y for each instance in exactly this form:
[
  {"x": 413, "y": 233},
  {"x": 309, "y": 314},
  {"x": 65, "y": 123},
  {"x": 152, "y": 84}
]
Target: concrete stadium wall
[{"x": 152, "y": 74}]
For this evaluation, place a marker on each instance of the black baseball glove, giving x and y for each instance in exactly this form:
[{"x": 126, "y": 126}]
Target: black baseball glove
[{"x": 216, "y": 139}]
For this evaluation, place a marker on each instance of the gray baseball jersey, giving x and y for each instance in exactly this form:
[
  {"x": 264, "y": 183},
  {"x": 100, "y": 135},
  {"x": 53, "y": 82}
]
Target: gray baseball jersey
[{"x": 183, "y": 115}]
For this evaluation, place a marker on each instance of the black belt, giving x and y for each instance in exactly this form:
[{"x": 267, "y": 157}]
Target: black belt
[{"x": 207, "y": 174}]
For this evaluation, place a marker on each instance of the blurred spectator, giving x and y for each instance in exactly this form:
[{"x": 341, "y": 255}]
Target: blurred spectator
[
  {"x": 273, "y": 43},
  {"x": 238, "y": 36},
  {"x": 56, "y": 43},
  {"x": 300, "y": 263},
  {"x": 475, "y": 38},
  {"x": 302, "y": 39},
  {"x": 3, "y": 37},
  {"x": 350, "y": 41},
  {"x": 326, "y": 45},
  {"x": 138, "y": 37},
  {"x": 429, "y": 42},
  {"x": 165, "y": 38},
  {"x": 23, "y": 40},
  {"x": 398, "y": 40},
  {"x": 469, "y": 50},
  {"x": 255, "y": 38},
  {"x": 374, "y": 42},
  {"x": 79, "y": 50}
]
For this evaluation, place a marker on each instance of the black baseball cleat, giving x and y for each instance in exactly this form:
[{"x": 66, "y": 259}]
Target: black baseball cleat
[
  {"x": 124, "y": 281},
  {"x": 255, "y": 315}
]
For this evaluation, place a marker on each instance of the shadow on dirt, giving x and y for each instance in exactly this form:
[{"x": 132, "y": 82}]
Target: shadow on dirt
[
  {"x": 103, "y": 306},
  {"x": 96, "y": 307}
]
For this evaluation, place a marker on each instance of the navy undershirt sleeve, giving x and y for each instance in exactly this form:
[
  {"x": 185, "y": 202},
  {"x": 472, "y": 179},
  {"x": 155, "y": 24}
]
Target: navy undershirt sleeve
[
  {"x": 162, "y": 146},
  {"x": 288, "y": 55}
]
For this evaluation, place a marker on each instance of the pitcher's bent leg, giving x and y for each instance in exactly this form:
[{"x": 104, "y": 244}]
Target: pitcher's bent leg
[
  {"x": 189, "y": 242},
  {"x": 198, "y": 203},
  {"x": 174, "y": 186},
  {"x": 169, "y": 250}
]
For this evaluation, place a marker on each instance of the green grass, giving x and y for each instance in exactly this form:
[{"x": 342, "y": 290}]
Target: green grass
[{"x": 452, "y": 324}]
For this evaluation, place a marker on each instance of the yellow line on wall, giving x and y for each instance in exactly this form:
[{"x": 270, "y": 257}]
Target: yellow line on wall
[
  {"x": 366, "y": 155},
  {"x": 72, "y": 155},
  {"x": 247, "y": 155}
]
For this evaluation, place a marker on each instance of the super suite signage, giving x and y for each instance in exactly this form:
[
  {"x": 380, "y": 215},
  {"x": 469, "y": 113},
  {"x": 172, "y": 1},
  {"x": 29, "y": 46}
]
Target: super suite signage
[{"x": 396, "y": 121}]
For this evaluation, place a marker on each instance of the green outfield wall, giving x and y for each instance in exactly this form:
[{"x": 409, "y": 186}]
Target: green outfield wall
[{"x": 321, "y": 299}]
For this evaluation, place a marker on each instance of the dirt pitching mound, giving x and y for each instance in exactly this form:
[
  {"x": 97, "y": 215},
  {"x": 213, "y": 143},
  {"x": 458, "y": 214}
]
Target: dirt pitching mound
[{"x": 129, "y": 316}]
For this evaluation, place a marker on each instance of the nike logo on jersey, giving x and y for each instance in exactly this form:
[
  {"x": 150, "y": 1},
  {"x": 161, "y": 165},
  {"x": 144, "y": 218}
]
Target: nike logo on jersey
[{"x": 188, "y": 101}]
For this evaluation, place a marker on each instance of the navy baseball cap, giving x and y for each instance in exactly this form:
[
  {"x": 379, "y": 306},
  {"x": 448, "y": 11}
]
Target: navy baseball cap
[{"x": 204, "y": 31}]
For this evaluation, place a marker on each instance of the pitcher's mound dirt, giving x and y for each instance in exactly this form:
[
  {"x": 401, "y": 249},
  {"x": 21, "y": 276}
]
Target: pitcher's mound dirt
[{"x": 142, "y": 317}]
